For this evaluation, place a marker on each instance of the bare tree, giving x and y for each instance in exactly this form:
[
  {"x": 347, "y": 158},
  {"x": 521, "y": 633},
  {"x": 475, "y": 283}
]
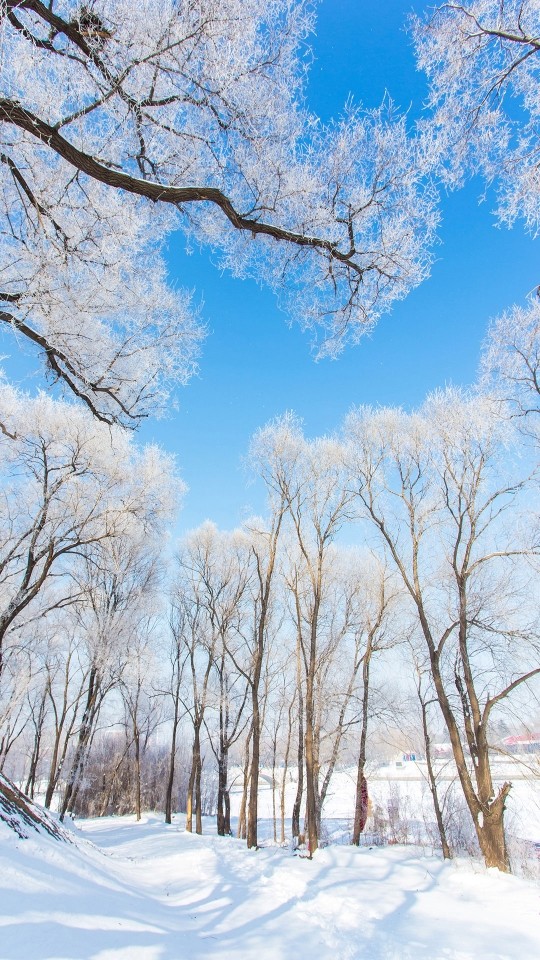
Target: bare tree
[
  {"x": 310, "y": 478},
  {"x": 141, "y": 703},
  {"x": 118, "y": 584},
  {"x": 178, "y": 654},
  {"x": 425, "y": 701},
  {"x": 69, "y": 483},
  {"x": 433, "y": 486},
  {"x": 263, "y": 542}
]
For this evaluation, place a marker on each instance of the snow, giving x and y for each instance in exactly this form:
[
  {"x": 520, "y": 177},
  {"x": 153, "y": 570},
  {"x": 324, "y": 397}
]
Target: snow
[
  {"x": 407, "y": 786},
  {"x": 150, "y": 892}
]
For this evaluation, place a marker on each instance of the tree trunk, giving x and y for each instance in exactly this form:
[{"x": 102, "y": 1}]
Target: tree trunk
[
  {"x": 198, "y": 795},
  {"x": 486, "y": 808},
  {"x": 274, "y": 814},
  {"x": 265, "y": 585},
  {"x": 172, "y": 760},
  {"x": 189, "y": 800},
  {"x": 491, "y": 835},
  {"x": 447, "y": 853},
  {"x": 285, "y": 771},
  {"x": 227, "y": 824},
  {"x": 252, "y": 811},
  {"x": 311, "y": 791},
  {"x": 137, "y": 742},
  {"x": 170, "y": 782},
  {"x": 225, "y": 740},
  {"x": 312, "y": 804},
  {"x": 295, "y": 818},
  {"x": 58, "y": 758},
  {"x": 191, "y": 791},
  {"x": 87, "y": 724},
  {"x": 297, "y": 806},
  {"x": 360, "y": 802},
  {"x": 242, "y": 823},
  {"x": 36, "y": 751},
  {"x": 223, "y": 820},
  {"x": 57, "y": 765}
]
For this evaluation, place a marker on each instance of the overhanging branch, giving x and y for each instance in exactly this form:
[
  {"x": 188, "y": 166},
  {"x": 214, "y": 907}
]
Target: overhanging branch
[{"x": 176, "y": 196}]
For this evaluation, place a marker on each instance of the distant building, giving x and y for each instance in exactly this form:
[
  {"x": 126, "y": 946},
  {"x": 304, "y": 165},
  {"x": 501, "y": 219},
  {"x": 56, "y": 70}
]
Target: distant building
[
  {"x": 410, "y": 756},
  {"x": 523, "y": 743}
]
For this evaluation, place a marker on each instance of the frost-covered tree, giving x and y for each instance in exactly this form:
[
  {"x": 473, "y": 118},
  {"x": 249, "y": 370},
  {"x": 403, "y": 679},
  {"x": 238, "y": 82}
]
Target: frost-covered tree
[
  {"x": 120, "y": 123},
  {"x": 482, "y": 59},
  {"x": 173, "y": 694},
  {"x": 443, "y": 494},
  {"x": 309, "y": 478},
  {"x": 262, "y": 543},
  {"x": 69, "y": 486},
  {"x": 117, "y": 582},
  {"x": 142, "y": 706},
  {"x": 511, "y": 361},
  {"x": 209, "y": 587},
  {"x": 222, "y": 564}
]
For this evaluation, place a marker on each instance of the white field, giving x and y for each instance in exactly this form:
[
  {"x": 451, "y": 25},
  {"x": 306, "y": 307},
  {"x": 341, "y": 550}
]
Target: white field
[
  {"x": 145, "y": 891},
  {"x": 408, "y": 782},
  {"x": 151, "y": 892}
]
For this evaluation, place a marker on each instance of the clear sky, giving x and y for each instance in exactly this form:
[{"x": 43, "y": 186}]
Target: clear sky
[{"x": 254, "y": 366}]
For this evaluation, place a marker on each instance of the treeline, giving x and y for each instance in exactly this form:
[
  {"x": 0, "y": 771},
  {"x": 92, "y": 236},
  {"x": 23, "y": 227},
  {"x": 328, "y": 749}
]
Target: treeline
[{"x": 275, "y": 644}]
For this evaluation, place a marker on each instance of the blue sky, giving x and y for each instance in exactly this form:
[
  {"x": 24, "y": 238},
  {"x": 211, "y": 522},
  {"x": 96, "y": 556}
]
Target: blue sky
[{"x": 254, "y": 366}]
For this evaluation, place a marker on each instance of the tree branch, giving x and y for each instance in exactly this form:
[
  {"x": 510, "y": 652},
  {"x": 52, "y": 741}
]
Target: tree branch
[{"x": 13, "y": 113}]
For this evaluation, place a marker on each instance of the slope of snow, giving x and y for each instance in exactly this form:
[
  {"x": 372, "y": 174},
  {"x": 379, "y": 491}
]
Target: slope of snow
[{"x": 152, "y": 892}]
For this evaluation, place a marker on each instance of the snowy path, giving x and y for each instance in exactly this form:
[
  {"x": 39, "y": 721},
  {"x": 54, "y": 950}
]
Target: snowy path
[{"x": 156, "y": 893}]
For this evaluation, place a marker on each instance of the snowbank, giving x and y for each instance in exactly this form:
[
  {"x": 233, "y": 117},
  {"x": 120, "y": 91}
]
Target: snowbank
[{"x": 155, "y": 893}]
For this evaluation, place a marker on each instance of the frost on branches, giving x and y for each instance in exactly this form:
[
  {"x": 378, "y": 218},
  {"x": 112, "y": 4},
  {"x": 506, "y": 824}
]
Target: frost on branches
[
  {"x": 448, "y": 500},
  {"x": 69, "y": 485},
  {"x": 483, "y": 62},
  {"x": 121, "y": 123},
  {"x": 511, "y": 361}
]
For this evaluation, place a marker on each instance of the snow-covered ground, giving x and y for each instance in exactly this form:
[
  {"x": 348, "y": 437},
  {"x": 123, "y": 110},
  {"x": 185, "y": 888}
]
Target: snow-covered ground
[
  {"x": 405, "y": 786},
  {"x": 151, "y": 892}
]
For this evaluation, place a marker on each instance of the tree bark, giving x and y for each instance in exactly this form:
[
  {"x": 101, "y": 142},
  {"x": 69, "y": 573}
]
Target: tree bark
[
  {"x": 297, "y": 806},
  {"x": 252, "y": 809},
  {"x": 283, "y": 786},
  {"x": 198, "y": 795},
  {"x": 137, "y": 743},
  {"x": 36, "y": 750},
  {"x": 171, "y": 772},
  {"x": 85, "y": 732},
  {"x": 360, "y": 803},
  {"x": 242, "y": 821},
  {"x": 191, "y": 800},
  {"x": 447, "y": 853}
]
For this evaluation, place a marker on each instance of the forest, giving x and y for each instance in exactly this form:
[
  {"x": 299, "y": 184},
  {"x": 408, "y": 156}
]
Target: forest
[{"x": 389, "y": 592}]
